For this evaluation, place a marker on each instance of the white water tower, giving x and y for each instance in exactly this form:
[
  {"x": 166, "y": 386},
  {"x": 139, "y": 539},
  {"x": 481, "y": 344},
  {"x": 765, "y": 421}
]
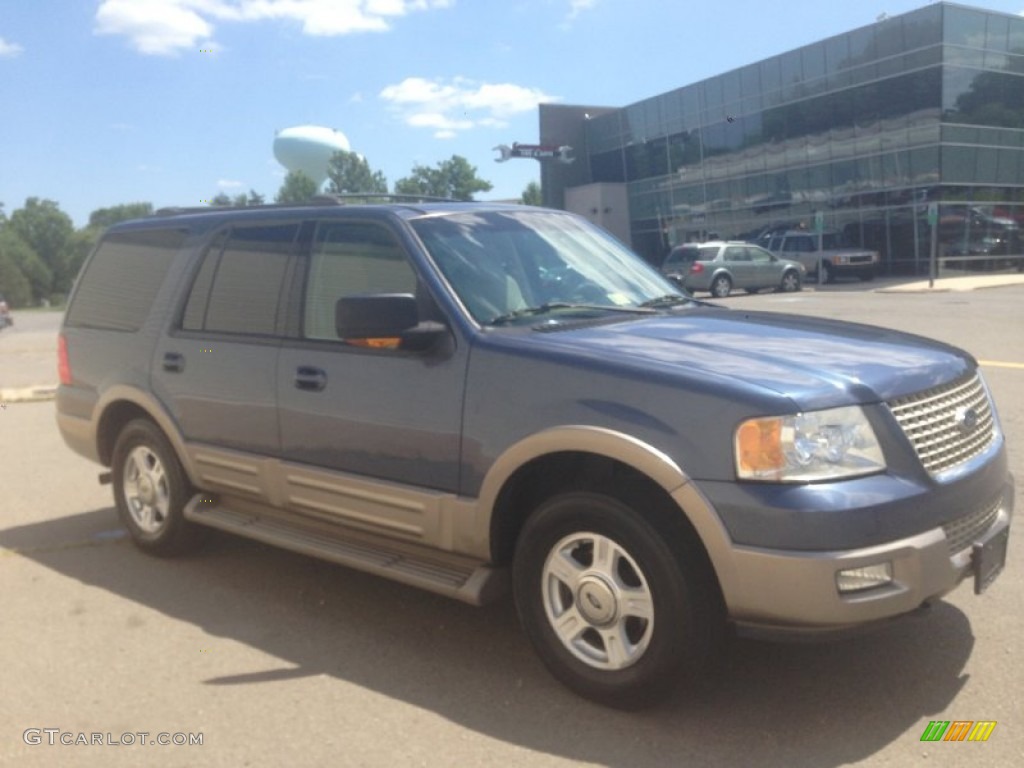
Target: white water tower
[{"x": 308, "y": 148}]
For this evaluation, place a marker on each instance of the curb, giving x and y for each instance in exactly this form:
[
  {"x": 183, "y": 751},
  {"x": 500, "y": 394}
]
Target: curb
[
  {"x": 28, "y": 394},
  {"x": 955, "y": 284}
]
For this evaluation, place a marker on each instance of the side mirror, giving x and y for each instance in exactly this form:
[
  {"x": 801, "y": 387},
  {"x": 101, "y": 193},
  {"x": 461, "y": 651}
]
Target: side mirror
[{"x": 385, "y": 321}]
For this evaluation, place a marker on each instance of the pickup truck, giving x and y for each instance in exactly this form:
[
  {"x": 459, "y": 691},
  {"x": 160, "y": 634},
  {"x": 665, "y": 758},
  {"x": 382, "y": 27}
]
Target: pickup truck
[{"x": 835, "y": 259}]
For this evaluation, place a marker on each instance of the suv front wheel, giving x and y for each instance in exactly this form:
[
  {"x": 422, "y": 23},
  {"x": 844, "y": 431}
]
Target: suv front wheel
[
  {"x": 150, "y": 489},
  {"x": 614, "y": 614},
  {"x": 721, "y": 286}
]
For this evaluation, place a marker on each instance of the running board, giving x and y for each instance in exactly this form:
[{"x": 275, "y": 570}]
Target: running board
[{"x": 442, "y": 573}]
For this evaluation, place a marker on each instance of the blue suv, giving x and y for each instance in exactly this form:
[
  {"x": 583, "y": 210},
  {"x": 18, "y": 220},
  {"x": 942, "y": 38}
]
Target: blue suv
[{"x": 478, "y": 399}]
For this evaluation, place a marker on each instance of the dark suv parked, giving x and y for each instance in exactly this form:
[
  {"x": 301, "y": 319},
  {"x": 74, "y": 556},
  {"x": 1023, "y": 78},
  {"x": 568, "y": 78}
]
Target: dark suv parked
[{"x": 476, "y": 398}]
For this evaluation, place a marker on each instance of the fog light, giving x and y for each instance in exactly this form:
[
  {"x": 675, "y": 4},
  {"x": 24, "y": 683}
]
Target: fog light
[{"x": 866, "y": 577}]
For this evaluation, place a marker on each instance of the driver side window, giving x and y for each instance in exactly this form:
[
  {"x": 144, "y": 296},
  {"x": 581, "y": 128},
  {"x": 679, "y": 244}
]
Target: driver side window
[{"x": 350, "y": 259}]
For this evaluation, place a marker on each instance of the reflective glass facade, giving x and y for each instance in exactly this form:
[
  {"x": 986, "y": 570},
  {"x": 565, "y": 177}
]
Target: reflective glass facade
[{"x": 868, "y": 128}]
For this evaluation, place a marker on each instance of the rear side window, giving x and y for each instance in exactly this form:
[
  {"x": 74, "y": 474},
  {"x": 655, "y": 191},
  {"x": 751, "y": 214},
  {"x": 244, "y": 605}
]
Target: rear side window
[
  {"x": 238, "y": 287},
  {"x": 121, "y": 280},
  {"x": 708, "y": 254}
]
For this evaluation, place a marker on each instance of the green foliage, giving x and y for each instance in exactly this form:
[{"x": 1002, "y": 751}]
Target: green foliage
[
  {"x": 15, "y": 286},
  {"x": 454, "y": 178},
  {"x": 102, "y": 218},
  {"x": 243, "y": 200},
  {"x": 80, "y": 246},
  {"x": 532, "y": 194},
  {"x": 34, "y": 272},
  {"x": 46, "y": 229},
  {"x": 297, "y": 188},
  {"x": 350, "y": 174}
]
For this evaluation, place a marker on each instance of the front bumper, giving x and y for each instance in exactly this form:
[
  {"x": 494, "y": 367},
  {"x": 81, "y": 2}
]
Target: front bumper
[{"x": 787, "y": 591}]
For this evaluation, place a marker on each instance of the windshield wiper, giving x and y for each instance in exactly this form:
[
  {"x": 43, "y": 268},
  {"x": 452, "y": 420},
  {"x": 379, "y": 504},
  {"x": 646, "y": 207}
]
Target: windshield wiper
[
  {"x": 674, "y": 299},
  {"x": 545, "y": 308},
  {"x": 668, "y": 300}
]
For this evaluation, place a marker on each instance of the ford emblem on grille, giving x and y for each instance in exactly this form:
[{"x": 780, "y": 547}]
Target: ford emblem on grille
[{"x": 966, "y": 419}]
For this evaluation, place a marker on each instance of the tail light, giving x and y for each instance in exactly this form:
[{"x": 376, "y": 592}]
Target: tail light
[
  {"x": 63, "y": 364},
  {"x": 696, "y": 268}
]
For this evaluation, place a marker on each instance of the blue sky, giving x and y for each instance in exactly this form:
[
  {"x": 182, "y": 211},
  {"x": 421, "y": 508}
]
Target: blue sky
[{"x": 172, "y": 101}]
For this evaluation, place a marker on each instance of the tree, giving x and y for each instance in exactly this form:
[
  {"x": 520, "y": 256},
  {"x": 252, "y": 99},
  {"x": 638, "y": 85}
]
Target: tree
[
  {"x": 80, "y": 246},
  {"x": 253, "y": 198},
  {"x": 454, "y": 178},
  {"x": 532, "y": 194},
  {"x": 240, "y": 200},
  {"x": 102, "y": 218},
  {"x": 350, "y": 174},
  {"x": 33, "y": 271},
  {"x": 297, "y": 188},
  {"x": 17, "y": 289},
  {"x": 221, "y": 200},
  {"x": 46, "y": 229}
]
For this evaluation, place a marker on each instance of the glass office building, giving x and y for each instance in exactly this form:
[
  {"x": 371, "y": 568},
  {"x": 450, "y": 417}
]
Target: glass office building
[{"x": 890, "y": 133}]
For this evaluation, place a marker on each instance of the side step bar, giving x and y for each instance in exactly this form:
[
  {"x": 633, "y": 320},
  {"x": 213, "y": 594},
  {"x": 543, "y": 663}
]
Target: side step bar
[{"x": 440, "y": 572}]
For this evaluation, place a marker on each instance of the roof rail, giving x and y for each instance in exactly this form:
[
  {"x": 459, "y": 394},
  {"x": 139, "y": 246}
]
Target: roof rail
[
  {"x": 335, "y": 198},
  {"x": 355, "y": 198}
]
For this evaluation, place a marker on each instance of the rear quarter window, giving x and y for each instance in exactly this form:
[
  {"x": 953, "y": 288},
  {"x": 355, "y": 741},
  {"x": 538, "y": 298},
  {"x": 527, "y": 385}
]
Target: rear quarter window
[
  {"x": 121, "y": 280},
  {"x": 681, "y": 257}
]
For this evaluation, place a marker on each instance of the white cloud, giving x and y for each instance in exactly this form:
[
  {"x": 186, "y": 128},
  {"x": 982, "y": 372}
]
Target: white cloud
[
  {"x": 576, "y": 7},
  {"x": 166, "y": 27},
  {"x": 461, "y": 104},
  {"x": 229, "y": 184},
  {"x": 9, "y": 50},
  {"x": 156, "y": 27}
]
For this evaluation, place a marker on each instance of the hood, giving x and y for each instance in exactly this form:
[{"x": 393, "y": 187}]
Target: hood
[{"x": 816, "y": 363}]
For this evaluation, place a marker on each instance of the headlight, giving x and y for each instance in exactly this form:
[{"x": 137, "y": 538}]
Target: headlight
[{"x": 821, "y": 445}]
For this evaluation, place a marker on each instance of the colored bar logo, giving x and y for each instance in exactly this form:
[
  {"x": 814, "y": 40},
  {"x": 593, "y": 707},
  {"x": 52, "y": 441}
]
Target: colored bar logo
[{"x": 958, "y": 730}]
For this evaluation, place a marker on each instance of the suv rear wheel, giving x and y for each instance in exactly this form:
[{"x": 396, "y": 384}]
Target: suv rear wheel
[
  {"x": 614, "y": 614},
  {"x": 150, "y": 489}
]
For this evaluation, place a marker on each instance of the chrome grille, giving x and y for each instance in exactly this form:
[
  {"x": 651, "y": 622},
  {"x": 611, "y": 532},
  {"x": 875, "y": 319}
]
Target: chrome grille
[
  {"x": 938, "y": 423},
  {"x": 962, "y": 532}
]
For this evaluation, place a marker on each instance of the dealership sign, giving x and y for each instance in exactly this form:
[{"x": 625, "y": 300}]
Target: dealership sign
[{"x": 537, "y": 151}]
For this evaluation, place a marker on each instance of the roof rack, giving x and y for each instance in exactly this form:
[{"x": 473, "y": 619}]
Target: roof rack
[
  {"x": 354, "y": 198},
  {"x": 335, "y": 198}
]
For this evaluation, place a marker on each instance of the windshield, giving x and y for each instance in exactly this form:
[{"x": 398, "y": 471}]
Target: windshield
[{"x": 502, "y": 262}]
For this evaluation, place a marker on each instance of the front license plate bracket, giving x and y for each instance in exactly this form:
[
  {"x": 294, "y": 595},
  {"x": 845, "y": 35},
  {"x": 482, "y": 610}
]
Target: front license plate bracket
[{"x": 988, "y": 559}]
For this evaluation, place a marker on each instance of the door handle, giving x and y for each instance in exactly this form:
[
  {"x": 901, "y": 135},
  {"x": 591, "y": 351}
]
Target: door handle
[
  {"x": 310, "y": 379},
  {"x": 174, "y": 362}
]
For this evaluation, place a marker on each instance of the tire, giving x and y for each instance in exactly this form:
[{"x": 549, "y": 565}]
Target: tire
[
  {"x": 624, "y": 628},
  {"x": 721, "y": 286},
  {"x": 827, "y": 275},
  {"x": 790, "y": 282},
  {"x": 151, "y": 490}
]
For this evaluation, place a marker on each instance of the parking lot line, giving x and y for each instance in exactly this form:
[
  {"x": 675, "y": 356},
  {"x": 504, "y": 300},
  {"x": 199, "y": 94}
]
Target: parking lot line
[{"x": 998, "y": 364}]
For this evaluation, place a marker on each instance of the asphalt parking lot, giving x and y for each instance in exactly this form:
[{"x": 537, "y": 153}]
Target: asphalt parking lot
[{"x": 276, "y": 659}]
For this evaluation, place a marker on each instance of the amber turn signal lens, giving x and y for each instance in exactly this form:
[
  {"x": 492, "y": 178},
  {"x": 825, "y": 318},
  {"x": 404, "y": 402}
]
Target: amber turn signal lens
[{"x": 759, "y": 447}]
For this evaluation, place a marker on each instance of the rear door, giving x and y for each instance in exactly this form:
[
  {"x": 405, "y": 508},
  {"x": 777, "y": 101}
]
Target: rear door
[
  {"x": 216, "y": 371},
  {"x": 764, "y": 267},
  {"x": 737, "y": 260}
]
